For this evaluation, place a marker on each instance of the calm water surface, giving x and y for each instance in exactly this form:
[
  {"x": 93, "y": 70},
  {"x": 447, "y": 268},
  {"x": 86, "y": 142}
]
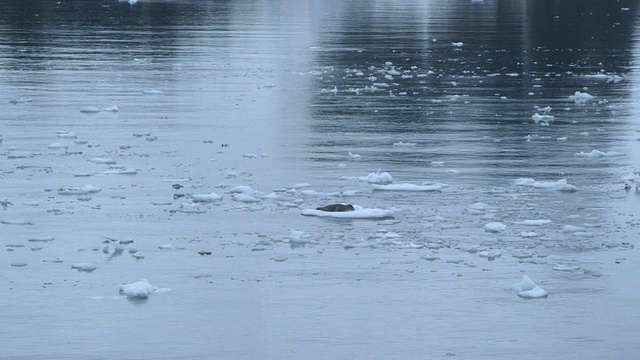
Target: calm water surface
[{"x": 472, "y": 94}]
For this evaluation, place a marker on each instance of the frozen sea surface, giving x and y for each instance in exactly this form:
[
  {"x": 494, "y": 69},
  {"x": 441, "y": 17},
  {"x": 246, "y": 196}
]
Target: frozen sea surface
[{"x": 182, "y": 142}]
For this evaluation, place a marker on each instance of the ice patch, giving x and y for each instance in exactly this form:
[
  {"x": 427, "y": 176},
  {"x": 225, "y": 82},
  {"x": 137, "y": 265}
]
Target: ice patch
[
  {"x": 205, "y": 198},
  {"x": 139, "y": 290},
  {"x": 84, "y": 267},
  {"x": 580, "y": 97},
  {"x": 495, "y": 227},
  {"x": 598, "y": 154},
  {"x": 527, "y": 289},
  {"x": 560, "y": 185},
  {"x": 533, "y": 222},
  {"x": 358, "y": 213},
  {"x": 407, "y": 187}
]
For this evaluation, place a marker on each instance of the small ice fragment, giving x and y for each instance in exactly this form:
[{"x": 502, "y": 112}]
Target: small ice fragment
[
  {"x": 244, "y": 198},
  {"x": 534, "y": 222},
  {"x": 495, "y": 227},
  {"x": 42, "y": 239},
  {"x": 102, "y": 160},
  {"x": 111, "y": 109},
  {"x": 139, "y": 290},
  {"x": 527, "y": 289},
  {"x": 457, "y": 44},
  {"x": 205, "y": 198},
  {"x": 84, "y": 267},
  {"x": 354, "y": 157},
  {"x": 572, "y": 229},
  {"x": 153, "y": 92},
  {"x": 407, "y": 187},
  {"x": 56, "y": 146},
  {"x": 580, "y": 97},
  {"x": 90, "y": 110}
]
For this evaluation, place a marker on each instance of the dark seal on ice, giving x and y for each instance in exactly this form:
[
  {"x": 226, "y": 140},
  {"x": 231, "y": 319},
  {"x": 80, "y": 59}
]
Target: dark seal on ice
[{"x": 337, "y": 208}]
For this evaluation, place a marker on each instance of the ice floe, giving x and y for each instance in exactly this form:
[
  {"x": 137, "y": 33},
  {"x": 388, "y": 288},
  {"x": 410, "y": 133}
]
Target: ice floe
[
  {"x": 206, "y": 198},
  {"x": 84, "y": 267},
  {"x": 580, "y": 97},
  {"x": 495, "y": 227},
  {"x": 533, "y": 222},
  {"x": 407, "y": 187},
  {"x": 358, "y": 213},
  {"x": 598, "y": 154},
  {"x": 87, "y": 189},
  {"x": 527, "y": 289},
  {"x": 139, "y": 290},
  {"x": 559, "y": 185}
]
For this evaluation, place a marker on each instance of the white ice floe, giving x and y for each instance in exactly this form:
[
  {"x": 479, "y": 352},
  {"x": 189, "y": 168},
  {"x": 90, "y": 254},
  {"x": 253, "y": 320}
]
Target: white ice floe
[
  {"x": 572, "y": 229},
  {"x": 121, "y": 171},
  {"x": 299, "y": 237},
  {"x": 89, "y": 110},
  {"x": 243, "y": 189},
  {"x": 66, "y": 134},
  {"x": 564, "y": 267},
  {"x": 560, "y": 185},
  {"x": 152, "y": 92},
  {"x": 206, "y": 198},
  {"x": 138, "y": 290},
  {"x": 84, "y": 267},
  {"x": 527, "y": 289},
  {"x": 598, "y": 154},
  {"x": 580, "y": 97},
  {"x": 533, "y": 222},
  {"x": 102, "y": 160},
  {"x": 358, "y": 213},
  {"x": 495, "y": 227},
  {"x": 57, "y": 146},
  {"x": 378, "y": 177},
  {"x": 457, "y": 44},
  {"x": 244, "y": 198},
  {"x": 87, "y": 189},
  {"x": 537, "y": 118},
  {"x": 401, "y": 144},
  {"x": 354, "y": 157},
  {"x": 528, "y": 234},
  {"x": 407, "y": 187}
]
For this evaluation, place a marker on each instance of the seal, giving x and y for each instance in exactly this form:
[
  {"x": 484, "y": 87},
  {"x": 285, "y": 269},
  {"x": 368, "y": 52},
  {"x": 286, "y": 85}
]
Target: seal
[{"x": 336, "y": 208}]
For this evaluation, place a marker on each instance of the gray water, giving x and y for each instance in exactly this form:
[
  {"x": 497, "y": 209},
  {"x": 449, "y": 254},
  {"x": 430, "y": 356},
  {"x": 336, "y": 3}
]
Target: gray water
[{"x": 293, "y": 87}]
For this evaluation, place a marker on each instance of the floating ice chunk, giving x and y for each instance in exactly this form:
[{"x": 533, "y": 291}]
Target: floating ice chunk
[
  {"x": 191, "y": 208},
  {"x": 563, "y": 267},
  {"x": 580, "y": 97},
  {"x": 453, "y": 171},
  {"x": 358, "y": 213},
  {"x": 478, "y": 208},
  {"x": 110, "y": 109},
  {"x": 102, "y": 160},
  {"x": 354, "y": 157},
  {"x": 457, "y": 44},
  {"x": 533, "y": 222},
  {"x": 84, "y": 267},
  {"x": 560, "y": 185},
  {"x": 495, "y": 227},
  {"x": 90, "y": 110},
  {"x": 563, "y": 138},
  {"x": 380, "y": 178},
  {"x": 56, "y": 146},
  {"x": 87, "y": 189},
  {"x": 139, "y": 290},
  {"x": 404, "y": 144},
  {"x": 528, "y": 234},
  {"x": 537, "y": 118},
  {"x": 205, "y": 198},
  {"x": 598, "y": 154},
  {"x": 244, "y": 198},
  {"x": 572, "y": 229},
  {"x": 299, "y": 237},
  {"x": 66, "y": 134},
  {"x": 121, "y": 171},
  {"x": 166, "y": 247},
  {"x": 490, "y": 254},
  {"x": 407, "y": 187},
  {"x": 242, "y": 189},
  {"x": 153, "y": 92},
  {"x": 527, "y": 289}
]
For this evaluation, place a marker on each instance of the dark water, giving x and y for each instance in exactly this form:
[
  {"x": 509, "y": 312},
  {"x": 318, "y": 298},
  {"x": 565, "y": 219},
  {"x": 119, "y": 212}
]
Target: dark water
[{"x": 305, "y": 83}]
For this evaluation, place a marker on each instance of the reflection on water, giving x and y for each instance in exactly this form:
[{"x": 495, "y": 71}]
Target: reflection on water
[{"x": 474, "y": 94}]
